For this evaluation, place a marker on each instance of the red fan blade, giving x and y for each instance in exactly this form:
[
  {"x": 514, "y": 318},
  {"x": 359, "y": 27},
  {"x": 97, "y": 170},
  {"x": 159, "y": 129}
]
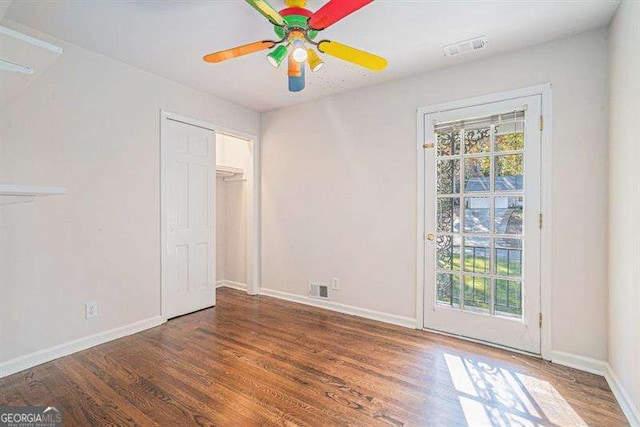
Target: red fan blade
[{"x": 334, "y": 11}]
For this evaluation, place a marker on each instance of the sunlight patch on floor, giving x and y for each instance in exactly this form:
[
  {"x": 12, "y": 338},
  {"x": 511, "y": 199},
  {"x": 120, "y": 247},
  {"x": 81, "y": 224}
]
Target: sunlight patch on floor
[{"x": 494, "y": 396}]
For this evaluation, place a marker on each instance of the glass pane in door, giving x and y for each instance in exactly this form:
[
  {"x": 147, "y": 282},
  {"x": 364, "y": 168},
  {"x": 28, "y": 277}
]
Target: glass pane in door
[{"x": 480, "y": 235}]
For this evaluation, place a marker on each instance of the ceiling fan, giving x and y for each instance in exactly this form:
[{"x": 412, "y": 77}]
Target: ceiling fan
[{"x": 297, "y": 29}]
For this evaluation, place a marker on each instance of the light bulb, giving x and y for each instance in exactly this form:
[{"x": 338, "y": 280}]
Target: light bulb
[{"x": 299, "y": 52}]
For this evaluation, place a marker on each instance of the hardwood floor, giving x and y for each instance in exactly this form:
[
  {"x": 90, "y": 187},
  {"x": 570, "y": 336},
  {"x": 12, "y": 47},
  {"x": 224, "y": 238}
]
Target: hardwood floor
[{"x": 261, "y": 361}]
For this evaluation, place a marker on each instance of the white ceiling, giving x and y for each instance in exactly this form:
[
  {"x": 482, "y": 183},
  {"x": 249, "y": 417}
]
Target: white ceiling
[{"x": 169, "y": 38}]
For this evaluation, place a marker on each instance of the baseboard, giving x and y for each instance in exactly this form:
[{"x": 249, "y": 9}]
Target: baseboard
[
  {"x": 231, "y": 284},
  {"x": 628, "y": 407},
  {"x": 380, "y": 316},
  {"x": 600, "y": 367},
  {"x": 41, "y": 356},
  {"x": 583, "y": 363}
]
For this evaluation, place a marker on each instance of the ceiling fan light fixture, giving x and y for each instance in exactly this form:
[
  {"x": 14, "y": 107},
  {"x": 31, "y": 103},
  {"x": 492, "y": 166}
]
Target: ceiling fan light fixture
[
  {"x": 278, "y": 55},
  {"x": 295, "y": 68},
  {"x": 297, "y": 83},
  {"x": 297, "y": 29},
  {"x": 299, "y": 51},
  {"x": 315, "y": 63}
]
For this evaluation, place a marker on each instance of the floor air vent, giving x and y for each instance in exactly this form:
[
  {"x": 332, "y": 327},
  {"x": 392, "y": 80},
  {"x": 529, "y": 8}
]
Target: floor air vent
[{"x": 317, "y": 290}]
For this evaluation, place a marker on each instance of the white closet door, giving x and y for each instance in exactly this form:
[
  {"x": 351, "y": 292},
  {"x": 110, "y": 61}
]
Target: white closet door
[{"x": 190, "y": 159}]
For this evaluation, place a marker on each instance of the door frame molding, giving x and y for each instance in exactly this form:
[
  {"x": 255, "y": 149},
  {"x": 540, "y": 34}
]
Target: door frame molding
[
  {"x": 253, "y": 203},
  {"x": 546, "y": 178}
]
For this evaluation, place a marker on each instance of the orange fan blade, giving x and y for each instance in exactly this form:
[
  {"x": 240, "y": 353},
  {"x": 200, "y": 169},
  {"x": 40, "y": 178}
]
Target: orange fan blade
[{"x": 246, "y": 49}]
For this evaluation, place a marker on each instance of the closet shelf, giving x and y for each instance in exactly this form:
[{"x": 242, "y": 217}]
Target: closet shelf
[
  {"x": 10, "y": 193},
  {"x": 229, "y": 173},
  {"x": 23, "y": 59}
]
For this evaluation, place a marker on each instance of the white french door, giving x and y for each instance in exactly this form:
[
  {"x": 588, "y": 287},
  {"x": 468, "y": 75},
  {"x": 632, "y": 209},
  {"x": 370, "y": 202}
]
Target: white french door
[
  {"x": 482, "y": 206},
  {"x": 189, "y": 159}
]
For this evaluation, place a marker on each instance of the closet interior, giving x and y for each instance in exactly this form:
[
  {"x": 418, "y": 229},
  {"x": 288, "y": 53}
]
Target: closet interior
[{"x": 234, "y": 168}]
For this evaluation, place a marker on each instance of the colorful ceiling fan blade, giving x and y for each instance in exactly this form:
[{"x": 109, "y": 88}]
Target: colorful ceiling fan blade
[
  {"x": 334, "y": 11},
  {"x": 351, "y": 54},
  {"x": 267, "y": 11},
  {"x": 239, "y": 51}
]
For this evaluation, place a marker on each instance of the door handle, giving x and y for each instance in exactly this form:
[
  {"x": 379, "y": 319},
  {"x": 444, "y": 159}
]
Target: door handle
[{"x": 430, "y": 237}]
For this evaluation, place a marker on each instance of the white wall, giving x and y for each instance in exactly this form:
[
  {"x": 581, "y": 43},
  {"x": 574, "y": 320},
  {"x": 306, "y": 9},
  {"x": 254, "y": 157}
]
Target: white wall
[
  {"x": 624, "y": 200},
  {"x": 90, "y": 124},
  {"x": 339, "y": 185}
]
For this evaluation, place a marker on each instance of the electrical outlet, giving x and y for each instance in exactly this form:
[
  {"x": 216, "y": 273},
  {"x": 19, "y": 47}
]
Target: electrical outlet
[
  {"x": 90, "y": 310},
  {"x": 335, "y": 284}
]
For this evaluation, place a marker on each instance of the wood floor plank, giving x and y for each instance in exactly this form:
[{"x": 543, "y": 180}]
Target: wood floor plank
[
  {"x": 313, "y": 369},
  {"x": 260, "y": 361},
  {"x": 160, "y": 406},
  {"x": 237, "y": 369},
  {"x": 83, "y": 376}
]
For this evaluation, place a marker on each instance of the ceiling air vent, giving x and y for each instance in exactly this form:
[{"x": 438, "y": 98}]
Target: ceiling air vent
[
  {"x": 466, "y": 46},
  {"x": 317, "y": 290}
]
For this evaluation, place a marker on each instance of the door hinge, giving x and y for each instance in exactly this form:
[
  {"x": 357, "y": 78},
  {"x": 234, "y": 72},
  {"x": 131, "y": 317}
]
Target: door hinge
[
  {"x": 540, "y": 220},
  {"x": 541, "y": 122},
  {"x": 540, "y": 320},
  {"x": 428, "y": 145}
]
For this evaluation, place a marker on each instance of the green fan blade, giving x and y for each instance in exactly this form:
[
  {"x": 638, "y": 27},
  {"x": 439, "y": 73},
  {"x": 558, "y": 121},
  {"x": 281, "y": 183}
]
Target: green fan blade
[{"x": 267, "y": 11}]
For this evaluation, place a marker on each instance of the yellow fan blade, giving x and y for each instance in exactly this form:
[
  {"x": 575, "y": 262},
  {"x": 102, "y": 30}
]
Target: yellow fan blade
[
  {"x": 239, "y": 51},
  {"x": 267, "y": 11},
  {"x": 356, "y": 56}
]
